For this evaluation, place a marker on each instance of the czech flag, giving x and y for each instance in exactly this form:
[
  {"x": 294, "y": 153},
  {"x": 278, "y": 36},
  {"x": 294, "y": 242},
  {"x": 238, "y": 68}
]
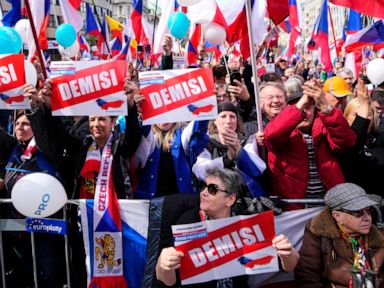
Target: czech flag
[
  {"x": 13, "y": 15},
  {"x": 319, "y": 37},
  {"x": 91, "y": 26},
  {"x": 123, "y": 55},
  {"x": 103, "y": 41},
  {"x": 278, "y": 10},
  {"x": 354, "y": 22},
  {"x": 41, "y": 18},
  {"x": 136, "y": 16},
  {"x": 370, "y": 35},
  {"x": 71, "y": 13},
  {"x": 374, "y": 8},
  {"x": 294, "y": 23},
  {"x": 116, "y": 47},
  {"x": 84, "y": 44},
  {"x": 193, "y": 43}
]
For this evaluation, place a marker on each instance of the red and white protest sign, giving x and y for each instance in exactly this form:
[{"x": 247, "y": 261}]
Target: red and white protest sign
[
  {"x": 177, "y": 95},
  {"x": 12, "y": 79},
  {"x": 224, "y": 248},
  {"x": 88, "y": 88}
]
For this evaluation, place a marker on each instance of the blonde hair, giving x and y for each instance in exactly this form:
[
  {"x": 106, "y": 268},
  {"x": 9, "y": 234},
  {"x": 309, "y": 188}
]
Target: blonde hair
[
  {"x": 164, "y": 139},
  {"x": 351, "y": 110}
]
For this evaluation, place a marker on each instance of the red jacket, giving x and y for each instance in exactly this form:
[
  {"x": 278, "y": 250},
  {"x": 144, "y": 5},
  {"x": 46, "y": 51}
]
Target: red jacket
[{"x": 288, "y": 156}]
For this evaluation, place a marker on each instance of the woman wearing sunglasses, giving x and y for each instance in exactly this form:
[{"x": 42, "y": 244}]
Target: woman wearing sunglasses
[
  {"x": 218, "y": 194},
  {"x": 342, "y": 248}
]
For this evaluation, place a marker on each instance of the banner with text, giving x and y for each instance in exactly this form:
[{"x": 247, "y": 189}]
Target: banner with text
[
  {"x": 88, "y": 88},
  {"x": 177, "y": 95},
  {"x": 223, "y": 248},
  {"x": 12, "y": 79}
]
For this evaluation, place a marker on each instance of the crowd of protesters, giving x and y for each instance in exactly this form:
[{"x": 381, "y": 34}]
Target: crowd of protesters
[{"x": 319, "y": 131}]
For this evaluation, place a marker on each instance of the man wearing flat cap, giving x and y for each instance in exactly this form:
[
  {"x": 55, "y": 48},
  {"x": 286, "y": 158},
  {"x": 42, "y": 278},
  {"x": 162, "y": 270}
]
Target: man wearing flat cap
[{"x": 341, "y": 247}]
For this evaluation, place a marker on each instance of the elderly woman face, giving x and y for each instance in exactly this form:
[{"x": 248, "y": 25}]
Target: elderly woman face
[
  {"x": 215, "y": 200},
  {"x": 23, "y": 129},
  {"x": 354, "y": 222}
]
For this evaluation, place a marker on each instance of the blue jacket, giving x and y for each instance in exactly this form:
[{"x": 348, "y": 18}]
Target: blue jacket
[{"x": 190, "y": 140}]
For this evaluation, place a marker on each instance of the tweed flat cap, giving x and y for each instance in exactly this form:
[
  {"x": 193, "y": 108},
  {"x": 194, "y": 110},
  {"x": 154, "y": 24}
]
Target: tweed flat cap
[{"x": 347, "y": 196}]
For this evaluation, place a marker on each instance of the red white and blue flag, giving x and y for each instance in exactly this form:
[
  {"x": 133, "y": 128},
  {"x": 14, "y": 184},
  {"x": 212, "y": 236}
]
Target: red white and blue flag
[
  {"x": 370, "y": 35},
  {"x": 319, "y": 37},
  {"x": 193, "y": 43},
  {"x": 91, "y": 26},
  {"x": 295, "y": 26},
  {"x": 136, "y": 17},
  {"x": 103, "y": 41},
  {"x": 374, "y": 8},
  {"x": 354, "y": 22},
  {"x": 71, "y": 13},
  {"x": 41, "y": 18},
  {"x": 84, "y": 44},
  {"x": 134, "y": 226},
  {"x": 13, "y": 15},
  {"x": 116, "y": 46}
]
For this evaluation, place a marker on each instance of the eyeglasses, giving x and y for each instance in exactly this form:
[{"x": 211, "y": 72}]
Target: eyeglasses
[
  {"x": 212, "y": 188},
  {"x": 359, "y": 213},
  {"x": 272, "y": 97}
]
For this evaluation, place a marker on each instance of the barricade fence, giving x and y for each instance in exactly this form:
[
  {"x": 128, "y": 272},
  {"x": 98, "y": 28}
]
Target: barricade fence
[{"x": 19, "y": 225}]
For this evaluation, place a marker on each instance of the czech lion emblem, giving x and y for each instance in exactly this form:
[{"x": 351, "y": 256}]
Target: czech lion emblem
[{"x": 106, "y": 252}]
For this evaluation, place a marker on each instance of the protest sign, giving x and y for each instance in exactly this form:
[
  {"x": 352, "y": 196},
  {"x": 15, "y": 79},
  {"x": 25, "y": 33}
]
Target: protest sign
[
  {"x": 12, "y": 79},
  {"x": 224, "y": 248},
  {"x": 177, "y": 95},
  {"x": 88, "y": 88}
]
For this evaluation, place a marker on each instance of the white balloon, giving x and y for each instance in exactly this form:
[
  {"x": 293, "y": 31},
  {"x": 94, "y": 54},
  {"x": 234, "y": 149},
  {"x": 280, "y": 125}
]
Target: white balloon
[
  {"x": 214, "y": 33},
  {"x": 375, "y": 71},
  {"x": 30, "y": 73},
  {"x": 22, "y": 27},
  {"x": 70, "y": 51},
  {"x": 38, "y": 195},
  {"x": 185, "y": 3}
]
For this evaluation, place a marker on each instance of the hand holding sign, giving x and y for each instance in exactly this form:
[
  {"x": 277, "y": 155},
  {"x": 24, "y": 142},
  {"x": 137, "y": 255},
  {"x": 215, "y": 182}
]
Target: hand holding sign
[
  {"x": 288, "y": 255},
  {"x": 168, "y": 262},
  {"x": 30, "y": 92}
]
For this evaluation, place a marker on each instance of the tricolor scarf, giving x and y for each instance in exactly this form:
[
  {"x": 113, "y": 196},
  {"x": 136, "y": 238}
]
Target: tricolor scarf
[
  {"x": 29, "y": 151},
  {"x": 107, "y": 230},
  {"x": 360, "y": 260}
]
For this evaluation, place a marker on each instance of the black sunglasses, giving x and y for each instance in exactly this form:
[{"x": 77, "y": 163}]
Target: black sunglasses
[
  {"x": 359, "y": 213},
  {"x": 212, "y": 188}
]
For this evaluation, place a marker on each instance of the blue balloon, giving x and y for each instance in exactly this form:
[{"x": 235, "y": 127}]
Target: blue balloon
[
  {"x": 10, "y": 41},
  {"x": 178, "y": 24},
  {"x": 65, "y": 35}
]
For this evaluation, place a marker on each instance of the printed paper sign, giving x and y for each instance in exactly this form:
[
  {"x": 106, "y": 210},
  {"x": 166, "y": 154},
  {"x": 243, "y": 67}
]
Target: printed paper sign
[
  {"x": 224, "y": 248},
  {"x": 177, "y": 95},
  {"x": 88, "y": 88},
  {"x": 12, "y": 79},
  {"x": 270, "y": 68}
]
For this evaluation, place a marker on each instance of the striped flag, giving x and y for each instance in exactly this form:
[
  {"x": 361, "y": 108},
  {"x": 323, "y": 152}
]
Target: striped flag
[
  {"x": 295, "y": 26},
  {"x": 71, "y": 13},
  {"x": 91, "y": 26},
  {"x": 13, "y": 15},
  {"x": 40, "y": 17},
  {"x": 136, "y": 17}
]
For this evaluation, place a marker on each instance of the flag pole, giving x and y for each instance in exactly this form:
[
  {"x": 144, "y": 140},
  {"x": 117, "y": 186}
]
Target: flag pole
[
  {"x": 42, "y": 64},
  {"x": 333, "y": 31},
  {"x": 153, "y": 34},
  {"x": 254, "y": 66},
  {"x": 101, "y": 27}
]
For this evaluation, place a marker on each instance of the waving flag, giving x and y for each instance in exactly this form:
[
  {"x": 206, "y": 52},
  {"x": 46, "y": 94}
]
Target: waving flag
[
  {"x": 13, "y": 15},
  {"x": 167, "y": 8},
  {"x": 40, "y": 17},
  {"x": 286, "y": 26},
  {"x": 123, "y": 55},
  {"x": 116, "y": 28},
  {"x": 116, "y": 47},
  {"x": 84, "y": 43},
  {"x": 319, "y": 37},
  {"x": 71, "y": 13},
  {"x": 91, "y": 26},
  {"x": 374, "y": 8},
  {"x": 193, "y": 43},
  {"x": 136, "y": 17},
  {"x": 370, "y": 35},
  {"x": 134, "y": 222},
  {"x": 102, "y": 42},
  {"x": 278, "y": 10},
  {"x": 295, "y": 26},
  {"x": 354, "y": 22}
]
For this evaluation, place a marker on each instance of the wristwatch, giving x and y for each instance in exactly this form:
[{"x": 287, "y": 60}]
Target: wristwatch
[{"x": 328, "y": 109}]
